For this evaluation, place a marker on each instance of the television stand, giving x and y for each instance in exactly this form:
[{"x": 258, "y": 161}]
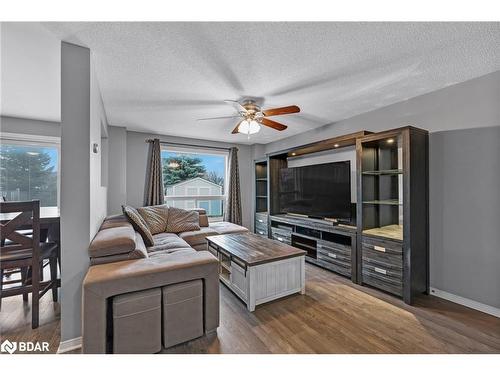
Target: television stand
[{"x": 327, "y": 245}]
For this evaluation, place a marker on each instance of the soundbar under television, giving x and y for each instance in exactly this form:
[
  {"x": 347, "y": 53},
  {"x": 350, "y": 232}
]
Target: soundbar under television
[{"x": 319, "y": 191}]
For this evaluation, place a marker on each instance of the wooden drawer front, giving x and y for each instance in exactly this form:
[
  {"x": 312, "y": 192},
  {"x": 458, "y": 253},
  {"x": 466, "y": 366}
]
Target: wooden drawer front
[
  {"x": 383, "y": 269},
  {"x": 261, "y": 232},
  {"x": 382, "y": 246},
  {"x": 335, "y": 258},
  {"x": 337, "y": 248},
  {"x": 388, "y": 261},
  {"x": 383, "y": 282},
  {"x": 282, "y": 235},
  {"x": 282, "y": 239},
  {"x": 340, "y": 269},
  {"x": 261, "y": 218},
  {"x": 260, "y": 227}
]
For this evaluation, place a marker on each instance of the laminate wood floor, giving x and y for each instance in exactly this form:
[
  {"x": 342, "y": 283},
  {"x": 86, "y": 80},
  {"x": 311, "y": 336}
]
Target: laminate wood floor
[
  {"x": 15, "y": 321},
  {"x": 334, "y": 316}
]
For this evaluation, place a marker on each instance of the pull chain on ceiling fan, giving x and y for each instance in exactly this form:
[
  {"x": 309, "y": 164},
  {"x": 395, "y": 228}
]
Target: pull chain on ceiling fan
[{"x": 252, "y": 117}]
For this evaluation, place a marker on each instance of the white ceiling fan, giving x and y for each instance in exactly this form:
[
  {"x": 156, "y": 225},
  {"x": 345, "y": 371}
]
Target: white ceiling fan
[{"x": 252, "y": 117}]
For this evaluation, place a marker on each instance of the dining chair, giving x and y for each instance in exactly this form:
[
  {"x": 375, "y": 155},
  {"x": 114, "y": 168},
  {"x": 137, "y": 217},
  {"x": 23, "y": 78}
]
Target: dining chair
[{"x": 25, "y": 252}]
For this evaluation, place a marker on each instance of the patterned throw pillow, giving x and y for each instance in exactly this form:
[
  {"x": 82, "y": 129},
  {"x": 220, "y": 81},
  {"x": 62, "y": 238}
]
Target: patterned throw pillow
[
  {"x": 155, "y": 217},
  {"x": 139, "y": 224},
  {"x": 180, "y": 220}
]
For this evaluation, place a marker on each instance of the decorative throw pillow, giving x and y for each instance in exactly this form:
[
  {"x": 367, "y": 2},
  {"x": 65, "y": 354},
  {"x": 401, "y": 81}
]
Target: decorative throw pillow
[
  {"x": 180, "y": 220},
  {"x": 139, "y": 224},
  {"x": 155, "y": 217}
]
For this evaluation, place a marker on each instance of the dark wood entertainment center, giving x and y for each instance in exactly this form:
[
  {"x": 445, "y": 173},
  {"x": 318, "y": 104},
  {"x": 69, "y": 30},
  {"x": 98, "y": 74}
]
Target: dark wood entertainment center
[{"x": 388, "y": 246}]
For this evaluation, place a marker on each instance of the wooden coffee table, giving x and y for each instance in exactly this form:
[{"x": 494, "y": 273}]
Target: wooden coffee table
[{"x": 258, "y": 269}]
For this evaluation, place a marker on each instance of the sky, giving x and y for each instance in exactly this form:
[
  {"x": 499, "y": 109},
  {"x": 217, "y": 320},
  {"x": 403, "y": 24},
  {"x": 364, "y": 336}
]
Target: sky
[
  {"x": 211, "y": 162},
  {"x": 52, "y": 151}
]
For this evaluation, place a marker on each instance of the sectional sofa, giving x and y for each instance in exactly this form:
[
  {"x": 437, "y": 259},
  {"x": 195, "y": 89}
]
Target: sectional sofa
[{"x": 138, "y": 298}]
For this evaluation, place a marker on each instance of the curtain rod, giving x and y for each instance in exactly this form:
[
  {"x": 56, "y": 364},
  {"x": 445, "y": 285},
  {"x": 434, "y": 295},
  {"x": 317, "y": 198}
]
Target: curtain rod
[{"x": 189, "y": 145}]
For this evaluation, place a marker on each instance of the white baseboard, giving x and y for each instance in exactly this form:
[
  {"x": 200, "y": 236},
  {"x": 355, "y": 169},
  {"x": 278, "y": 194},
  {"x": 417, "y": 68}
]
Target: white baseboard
[
  {"x": 69, "y": 345},
  {"x": 466, "y": 302}
]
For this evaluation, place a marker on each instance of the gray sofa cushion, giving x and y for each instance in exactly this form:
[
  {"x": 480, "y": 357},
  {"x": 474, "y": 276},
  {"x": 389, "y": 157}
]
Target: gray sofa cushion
[
  {"x": 115, "y": 221},
  {"x": 167, "y": 241},
  {"x": 197, "y": 237},
  {"x": 138, "y": 252},
  {"x": 224, "y": 227},
  {"x": 112, "y": 241}
]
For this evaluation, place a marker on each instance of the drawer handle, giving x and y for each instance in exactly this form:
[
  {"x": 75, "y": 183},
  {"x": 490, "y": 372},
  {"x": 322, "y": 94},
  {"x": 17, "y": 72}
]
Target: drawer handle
[
  {"x": 379, "y": 248},
  {"x": 279, "y": 239},
  {"x": 380, "y": 270},
  {"x": 332, "y": 255},
  {"x": 260, "y": 220},
  {"x": 260, "y": 232}
]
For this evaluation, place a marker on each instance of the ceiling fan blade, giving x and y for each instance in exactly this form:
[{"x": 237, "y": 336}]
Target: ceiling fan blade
[
  {"x": 237, "y": 105},
  {"x": 273, "y": 124},
  {"x": 217, "y": 118},
  {"x": 235, "y": 130},
  {"x": 281, "y": 111}
]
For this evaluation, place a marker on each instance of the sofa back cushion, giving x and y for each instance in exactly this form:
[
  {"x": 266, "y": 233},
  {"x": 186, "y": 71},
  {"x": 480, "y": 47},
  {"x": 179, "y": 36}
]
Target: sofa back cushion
[
  {"x": 180, "y": 220},
  {"x": 155, "y": 217},
  {"x": 138, "y": 253},
  {"x": 112, "y": 241},
  {"x": 203, "y": 216},
  {"x": 139, "y": 224}
]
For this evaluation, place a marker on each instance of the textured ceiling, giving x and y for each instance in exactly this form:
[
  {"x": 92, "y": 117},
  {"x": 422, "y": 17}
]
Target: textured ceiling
[{"x": 161, "y": 77}]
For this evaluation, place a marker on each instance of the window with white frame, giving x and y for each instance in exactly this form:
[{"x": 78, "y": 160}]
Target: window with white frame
[
  {"x": 29, "y": 168},
  {"x": 195, "y": 178}
]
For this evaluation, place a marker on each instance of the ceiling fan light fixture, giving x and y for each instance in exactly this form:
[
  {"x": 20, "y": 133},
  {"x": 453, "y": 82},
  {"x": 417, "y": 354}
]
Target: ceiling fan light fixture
[{"x": 249, "y": 127}]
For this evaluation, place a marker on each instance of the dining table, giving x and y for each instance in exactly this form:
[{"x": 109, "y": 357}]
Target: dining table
[{"x": 50, "y": 218}]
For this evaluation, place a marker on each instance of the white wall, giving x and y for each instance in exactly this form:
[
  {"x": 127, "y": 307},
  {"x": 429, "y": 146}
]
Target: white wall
[
  {"x": 30, "y": 72},
  {"x": 98, "y": 130},
  {"x": 117, "y": 169},
  {"x": 83, "y": 200},
  {"x": 464, "y": 178},
  {"x": 29, "y": 126}
]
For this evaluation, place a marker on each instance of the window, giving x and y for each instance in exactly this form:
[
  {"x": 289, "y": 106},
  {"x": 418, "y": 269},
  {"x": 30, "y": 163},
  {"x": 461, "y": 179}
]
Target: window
[
  {"x": 195, "y": 178},
  {"x": 29, "y": 168}
]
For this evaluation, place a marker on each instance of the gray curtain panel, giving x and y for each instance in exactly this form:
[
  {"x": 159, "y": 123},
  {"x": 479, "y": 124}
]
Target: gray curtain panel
[
  {"x": 232, "y": 212},
  {"x": 154, "y": 183}
]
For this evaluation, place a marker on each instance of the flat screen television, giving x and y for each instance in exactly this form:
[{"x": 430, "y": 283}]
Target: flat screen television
[{"x": 320, "y": 190}]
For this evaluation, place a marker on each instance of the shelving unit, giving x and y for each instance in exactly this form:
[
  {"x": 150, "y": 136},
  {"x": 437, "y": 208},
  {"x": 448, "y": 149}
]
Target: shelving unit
[
  {"x": 392, "y": 184},
  {"x": 261, "y": 197},
  {"x": 389, "y": 247}
]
